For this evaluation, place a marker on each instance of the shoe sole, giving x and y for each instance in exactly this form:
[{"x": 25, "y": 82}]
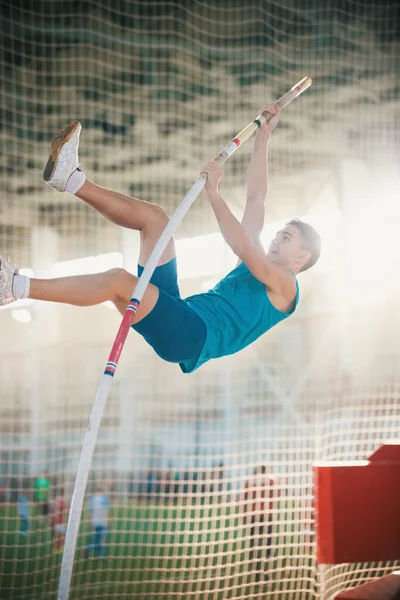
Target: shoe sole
[{"x": 62, "y": 137}]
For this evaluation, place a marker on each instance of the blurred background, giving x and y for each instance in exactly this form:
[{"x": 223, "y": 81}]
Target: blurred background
[{"x": 160, "y": 88}]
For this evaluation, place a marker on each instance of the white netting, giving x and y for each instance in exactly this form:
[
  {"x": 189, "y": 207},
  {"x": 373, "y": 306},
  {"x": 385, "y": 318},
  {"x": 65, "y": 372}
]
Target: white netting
[{"x": 160, "y": 87}]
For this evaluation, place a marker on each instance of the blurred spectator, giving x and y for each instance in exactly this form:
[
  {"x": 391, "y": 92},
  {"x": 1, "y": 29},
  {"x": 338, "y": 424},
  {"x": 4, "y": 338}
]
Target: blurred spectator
[
  {"x": 259, "y": 495},
  {"x": 150, "y": 485},
  {"x": 58, "y": 520},
  {"x": 23, "y": 513},
  {"x": 98, "y": 508},
  {"x": 3, "y": 493},
  {"x": 42, "y": 493},
  {"x": 219, "y": 479},
  {"x": 166, "y": 483}
]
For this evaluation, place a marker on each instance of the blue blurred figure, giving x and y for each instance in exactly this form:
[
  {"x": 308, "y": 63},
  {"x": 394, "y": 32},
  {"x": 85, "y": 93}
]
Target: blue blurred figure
[
  {"x": 98, "y": 509},
  {"x": 23, "y": 513}
]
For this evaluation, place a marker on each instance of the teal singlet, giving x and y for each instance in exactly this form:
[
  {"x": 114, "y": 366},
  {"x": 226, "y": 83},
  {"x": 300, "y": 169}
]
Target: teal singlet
[{"x": 236, "y": 312}]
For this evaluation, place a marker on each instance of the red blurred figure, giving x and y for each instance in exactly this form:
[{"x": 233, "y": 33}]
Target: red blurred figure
[
  {"x": 259, "y": 497},
  {"x": 58, "y": 520}
]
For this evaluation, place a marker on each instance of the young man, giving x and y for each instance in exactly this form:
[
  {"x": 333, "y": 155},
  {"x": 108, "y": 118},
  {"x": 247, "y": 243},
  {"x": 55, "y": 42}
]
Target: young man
[{"x": 259, "y": 293}]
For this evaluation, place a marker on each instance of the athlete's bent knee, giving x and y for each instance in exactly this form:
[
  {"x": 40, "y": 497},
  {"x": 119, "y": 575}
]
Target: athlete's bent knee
[
  {"x": 158, "y": 218},
  {"x": 120, "y": 282}
]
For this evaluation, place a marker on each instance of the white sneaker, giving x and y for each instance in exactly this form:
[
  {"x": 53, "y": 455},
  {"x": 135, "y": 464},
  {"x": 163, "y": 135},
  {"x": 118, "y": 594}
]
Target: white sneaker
[
  {"x": 7, "y": 272},
  {"x": 63, "y": 159}
]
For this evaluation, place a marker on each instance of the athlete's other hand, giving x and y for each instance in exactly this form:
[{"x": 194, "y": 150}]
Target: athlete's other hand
[
  {"x": 272, "y": 114},
  {"x": 213, "y": 172}
]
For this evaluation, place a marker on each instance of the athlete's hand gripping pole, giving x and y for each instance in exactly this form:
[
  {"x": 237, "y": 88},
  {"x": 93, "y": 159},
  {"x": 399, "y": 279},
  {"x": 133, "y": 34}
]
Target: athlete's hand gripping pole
[{"x": 127, "y": 320}]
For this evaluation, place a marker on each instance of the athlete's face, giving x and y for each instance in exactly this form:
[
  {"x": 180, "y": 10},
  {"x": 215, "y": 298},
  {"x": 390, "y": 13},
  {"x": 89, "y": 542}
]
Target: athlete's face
[{"x": 287, "y": 248}]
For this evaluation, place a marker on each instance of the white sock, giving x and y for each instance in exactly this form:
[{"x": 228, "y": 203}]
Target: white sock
[
  {"x": 75, "y": 181},
  {"x": 21, "y": 286}
]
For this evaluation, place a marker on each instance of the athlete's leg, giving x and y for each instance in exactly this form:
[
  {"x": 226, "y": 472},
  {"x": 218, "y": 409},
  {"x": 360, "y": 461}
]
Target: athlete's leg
[
  {"x": 164, "y": 319},
  {"x": 61, "y": 173},
  {"x": 126, "y": 211},
  {"x": 115, "y": 285}
]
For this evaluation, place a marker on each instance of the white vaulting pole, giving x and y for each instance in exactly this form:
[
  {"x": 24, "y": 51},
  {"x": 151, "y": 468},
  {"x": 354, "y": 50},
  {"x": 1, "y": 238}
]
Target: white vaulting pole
[{"x": 127, "y": 320}]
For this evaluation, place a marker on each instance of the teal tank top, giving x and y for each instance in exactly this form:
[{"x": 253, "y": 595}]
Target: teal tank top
[{"x": 236, "y": 312}]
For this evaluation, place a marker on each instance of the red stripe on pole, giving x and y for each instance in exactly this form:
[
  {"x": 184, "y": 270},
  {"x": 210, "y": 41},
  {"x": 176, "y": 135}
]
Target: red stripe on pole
[{"x": 123, "y": 331}]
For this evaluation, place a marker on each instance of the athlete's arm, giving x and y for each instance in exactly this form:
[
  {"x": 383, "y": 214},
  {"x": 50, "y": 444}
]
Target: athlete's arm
[
  {"x": 237, "y": 238},
  {"x": 257, "y": 176}
]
